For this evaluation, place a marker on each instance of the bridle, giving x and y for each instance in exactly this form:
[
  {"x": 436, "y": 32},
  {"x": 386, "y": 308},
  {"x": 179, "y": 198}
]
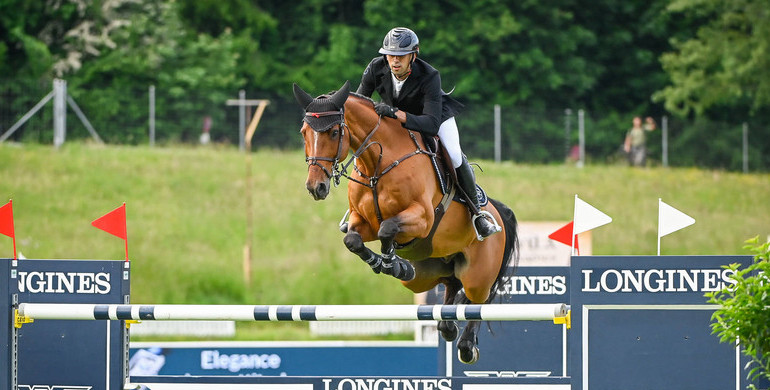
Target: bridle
[{"x": 335, "y": 173}]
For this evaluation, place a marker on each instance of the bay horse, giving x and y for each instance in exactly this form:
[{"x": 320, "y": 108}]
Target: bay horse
[{"x": 393, "y": 193}]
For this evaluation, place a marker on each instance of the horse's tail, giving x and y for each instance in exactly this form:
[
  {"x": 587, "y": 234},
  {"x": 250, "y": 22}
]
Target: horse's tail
[{"x": 511, "y": 252}]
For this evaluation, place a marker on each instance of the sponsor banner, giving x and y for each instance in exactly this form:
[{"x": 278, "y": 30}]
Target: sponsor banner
[
  {"x": 650, "y": 279},
  {"x": 656, "y": 280},
  {"x": 350, "y": 383},
  {"x": 516, "y": 349},
  {"x": 271, "y": 360},
  {"x": 650, "y": 313},
  {"x": 526, "y": 285},
  {"x": 95, "y": 365}
]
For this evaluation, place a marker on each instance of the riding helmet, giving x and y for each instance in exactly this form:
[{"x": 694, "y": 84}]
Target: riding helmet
[{"x": 400, "y": 41}]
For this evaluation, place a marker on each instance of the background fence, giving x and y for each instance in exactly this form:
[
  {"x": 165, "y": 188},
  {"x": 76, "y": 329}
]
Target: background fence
[{"x": 527, "y": 135}]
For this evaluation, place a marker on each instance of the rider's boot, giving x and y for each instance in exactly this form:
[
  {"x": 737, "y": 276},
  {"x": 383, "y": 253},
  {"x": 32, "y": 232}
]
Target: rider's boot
[{"x": 483, "y": 221}]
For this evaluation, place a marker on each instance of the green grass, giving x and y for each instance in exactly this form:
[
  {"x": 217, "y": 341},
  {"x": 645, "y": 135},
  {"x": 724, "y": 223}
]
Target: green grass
[{"x": 187, "y": 219}]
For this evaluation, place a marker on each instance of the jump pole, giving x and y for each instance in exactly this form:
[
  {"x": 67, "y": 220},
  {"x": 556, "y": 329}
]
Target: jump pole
[{"x": 493, "y": 312}]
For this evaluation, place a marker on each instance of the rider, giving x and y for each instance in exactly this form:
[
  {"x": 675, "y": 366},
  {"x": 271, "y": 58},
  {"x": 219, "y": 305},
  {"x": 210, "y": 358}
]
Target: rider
[{"x": 411, "y": 92}]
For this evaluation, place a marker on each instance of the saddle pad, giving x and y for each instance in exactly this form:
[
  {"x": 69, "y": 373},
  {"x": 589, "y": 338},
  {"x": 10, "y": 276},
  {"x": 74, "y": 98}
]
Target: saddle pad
[{"x": 480, "y": 194}]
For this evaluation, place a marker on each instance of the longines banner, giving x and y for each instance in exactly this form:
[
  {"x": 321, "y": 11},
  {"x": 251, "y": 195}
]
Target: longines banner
[{"x": 49, "y": 356}]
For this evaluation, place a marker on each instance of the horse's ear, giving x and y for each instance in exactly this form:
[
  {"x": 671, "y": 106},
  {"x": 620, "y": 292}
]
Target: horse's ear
[
  {"x": 303, "y": 98},
  {"x": 341, "y": 95}
]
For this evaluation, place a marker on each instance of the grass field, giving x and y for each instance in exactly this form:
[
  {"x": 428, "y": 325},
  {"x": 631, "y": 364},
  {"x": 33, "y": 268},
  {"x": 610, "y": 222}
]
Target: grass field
[{"x": 187, "y": 221}]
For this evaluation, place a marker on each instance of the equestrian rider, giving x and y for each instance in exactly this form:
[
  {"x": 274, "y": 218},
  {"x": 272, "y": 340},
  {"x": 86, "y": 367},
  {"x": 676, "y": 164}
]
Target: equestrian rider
[{"x": 411, "y": 92}]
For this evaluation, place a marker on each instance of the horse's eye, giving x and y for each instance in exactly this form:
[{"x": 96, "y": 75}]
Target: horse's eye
[{"x": 335, "y": 133}]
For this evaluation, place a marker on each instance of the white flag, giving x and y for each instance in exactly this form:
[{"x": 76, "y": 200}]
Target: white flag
[
  {"x": 587, "y": 217},
  {"x": 671, "y": 219}
]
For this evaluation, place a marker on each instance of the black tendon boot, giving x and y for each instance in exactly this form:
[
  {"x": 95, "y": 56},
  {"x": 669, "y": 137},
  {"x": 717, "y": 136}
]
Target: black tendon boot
[{"x": 483, "y": 221}]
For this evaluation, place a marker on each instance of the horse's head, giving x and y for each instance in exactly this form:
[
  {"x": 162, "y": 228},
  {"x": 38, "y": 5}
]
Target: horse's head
[{"x": 327, "y": 139}]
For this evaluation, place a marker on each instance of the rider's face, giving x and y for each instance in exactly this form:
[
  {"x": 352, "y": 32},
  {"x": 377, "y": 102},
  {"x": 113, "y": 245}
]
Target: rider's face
[{"x": 400, "y": 65}]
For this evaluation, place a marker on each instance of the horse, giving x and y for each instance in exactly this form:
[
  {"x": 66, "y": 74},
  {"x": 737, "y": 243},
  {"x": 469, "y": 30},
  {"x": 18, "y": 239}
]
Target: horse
[{"x": 394, "y": 195}]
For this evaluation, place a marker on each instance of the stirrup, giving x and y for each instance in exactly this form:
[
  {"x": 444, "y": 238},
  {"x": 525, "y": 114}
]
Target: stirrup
[
  {"x": 485, "y": 214},
  {"x": 344, "y": 222}
]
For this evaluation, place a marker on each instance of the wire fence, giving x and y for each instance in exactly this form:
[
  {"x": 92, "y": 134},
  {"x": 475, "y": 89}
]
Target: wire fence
[{"x": 526, "y": 135}]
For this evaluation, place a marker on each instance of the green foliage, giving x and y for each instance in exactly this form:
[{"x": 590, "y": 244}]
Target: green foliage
[
  {"x": 725, "y": 63},
  {"x": 744, "y": 314},
  {"x": 190, "y": 71},
  {"x": 544, "y": 57}
]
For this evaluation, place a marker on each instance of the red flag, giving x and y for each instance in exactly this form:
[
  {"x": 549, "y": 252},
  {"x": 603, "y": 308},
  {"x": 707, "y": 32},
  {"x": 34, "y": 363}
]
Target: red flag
[
  {"x": 564, "y": 235},
  {"x": 6, "y": 220},
  {"x": 6, "y": 224},
  {"x": 113, "y": 222}
]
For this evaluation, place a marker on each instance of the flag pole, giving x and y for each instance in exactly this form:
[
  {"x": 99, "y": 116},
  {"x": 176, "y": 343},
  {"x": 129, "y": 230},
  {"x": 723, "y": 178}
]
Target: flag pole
[
  {"x": 574, "y": 214},
  {"x": 13, "y": 227},
  {"x": 126, "y": 240},
  {"x": 659, "y": 201}
]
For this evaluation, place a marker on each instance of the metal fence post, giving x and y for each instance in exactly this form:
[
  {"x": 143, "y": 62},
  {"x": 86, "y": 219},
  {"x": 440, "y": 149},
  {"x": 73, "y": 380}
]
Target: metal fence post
[
  {"x": 241, "y": 120},
  {"x": 567, "y": 130},
  {"x": 582, "y": 136},
  {"x": 745, "y": 147},
  {"x": 664, "y": 140},
  {"x": 152, "y": 115},
  {"x": 498, "y": 137},
  {"x": 59, "y": 112}
]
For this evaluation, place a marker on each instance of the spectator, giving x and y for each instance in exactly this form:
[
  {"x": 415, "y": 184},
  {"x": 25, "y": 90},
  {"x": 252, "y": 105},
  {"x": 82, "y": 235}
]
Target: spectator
[{"x": 636, "y": 139}]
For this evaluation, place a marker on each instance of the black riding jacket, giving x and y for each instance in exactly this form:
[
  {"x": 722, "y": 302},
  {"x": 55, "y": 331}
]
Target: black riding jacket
[{"x": 421, "y": 98}]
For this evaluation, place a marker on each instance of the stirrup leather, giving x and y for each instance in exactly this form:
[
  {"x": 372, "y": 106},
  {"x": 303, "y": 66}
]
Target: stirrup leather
[{"x": 485, "y": 214}]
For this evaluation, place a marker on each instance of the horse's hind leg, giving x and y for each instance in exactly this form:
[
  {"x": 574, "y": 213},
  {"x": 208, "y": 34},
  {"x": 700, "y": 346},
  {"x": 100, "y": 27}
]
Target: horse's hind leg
[
  {"x": 449, "y": 329},
  {"x": 467, "y": 346},
  {"x": 478, "y": 279}
]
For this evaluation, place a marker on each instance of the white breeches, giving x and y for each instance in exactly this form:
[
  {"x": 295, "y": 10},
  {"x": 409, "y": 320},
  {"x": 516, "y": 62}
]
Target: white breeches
[{"x": 450, "y": 138}]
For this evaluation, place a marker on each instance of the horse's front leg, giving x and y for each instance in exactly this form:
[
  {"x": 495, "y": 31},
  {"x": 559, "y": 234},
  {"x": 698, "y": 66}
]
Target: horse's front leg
[
  {"x": 412, "y": 222},
  {"x": 359, "y": 232},
  {"x": 392, "y": 264}
]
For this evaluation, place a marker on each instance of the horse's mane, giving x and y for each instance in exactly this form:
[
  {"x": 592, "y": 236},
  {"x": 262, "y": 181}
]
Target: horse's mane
[{"x": 362, "y": 97}]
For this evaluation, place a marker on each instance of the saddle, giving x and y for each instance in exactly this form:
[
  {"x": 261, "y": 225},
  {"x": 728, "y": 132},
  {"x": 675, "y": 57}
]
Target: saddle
[{"x": 445, "y": 173}]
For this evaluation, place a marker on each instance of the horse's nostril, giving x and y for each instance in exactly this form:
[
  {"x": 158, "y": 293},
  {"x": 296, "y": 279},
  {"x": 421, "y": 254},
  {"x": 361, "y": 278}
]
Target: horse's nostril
[{"x": 322, "y": 189}]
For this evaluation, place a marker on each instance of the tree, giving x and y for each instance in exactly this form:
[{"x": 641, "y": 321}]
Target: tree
[
  {"x": 54, "y": 38},
  {"x": 193, "y": 72},
  {"x": 726, "y": 62}
]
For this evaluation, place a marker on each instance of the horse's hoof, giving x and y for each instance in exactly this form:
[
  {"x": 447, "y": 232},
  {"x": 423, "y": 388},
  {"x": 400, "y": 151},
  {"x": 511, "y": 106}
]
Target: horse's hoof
[
  {"x": 467, "y": 352},
  {"x": 397, "y": 267},
  {"x": 406, "y": 271},
  {"x": 449, "y": 330}
]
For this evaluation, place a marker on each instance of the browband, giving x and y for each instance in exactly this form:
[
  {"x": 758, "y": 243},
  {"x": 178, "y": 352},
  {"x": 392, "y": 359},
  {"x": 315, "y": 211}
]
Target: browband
[{"x": 324, "y": 113}]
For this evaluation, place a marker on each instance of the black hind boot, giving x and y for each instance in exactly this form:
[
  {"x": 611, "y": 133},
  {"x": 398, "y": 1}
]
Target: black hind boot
[{"x": 483, "y": 221}]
